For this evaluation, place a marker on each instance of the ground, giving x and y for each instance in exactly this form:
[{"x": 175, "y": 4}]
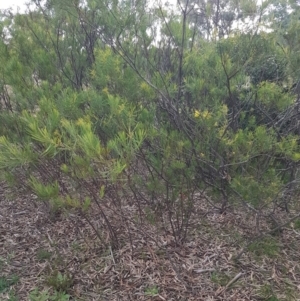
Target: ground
[{"x": 51, "y": 253}]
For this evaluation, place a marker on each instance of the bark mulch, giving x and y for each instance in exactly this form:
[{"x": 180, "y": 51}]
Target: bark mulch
[{"x": 37, "y": 247}]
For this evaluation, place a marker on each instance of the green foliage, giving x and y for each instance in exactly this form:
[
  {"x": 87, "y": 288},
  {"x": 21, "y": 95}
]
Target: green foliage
[
  {"x": 14, "y": 155},
  {"x": 267, "y": 246},
  {"x": 258, "y": 192},
  {"x": 220, "y": 278},
  {"x": 152, "y": 291},
  {"x": 12, "y": 296},
  {"x": 266, "y": 291},
  {"x": 37, "y": 295},
  {"x": 273, "y": 298},
  {"x": 44, "y": 191},
  {"x": 60, "y": 282},
  {"x": 297, "y": 224},
  {"x": 158, "y": 104},
  {"x": 272, "y": 96},
  {"x": 6, "y": 282},
  {"x": 43, "y": 255}
]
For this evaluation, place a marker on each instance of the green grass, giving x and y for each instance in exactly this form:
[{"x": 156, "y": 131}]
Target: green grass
[
  {"x": 151, "y": 291},
  {"x": 12, "y": 296},
  {"x": 6, "y": 282},
  {"x": 37, "y": 295},
  {"x": 43, "y": 255},
  {"x": 266, "y": 292},
  {"x": 267, "y": 246},
  {"x": 297, "y": 224},
  {"x": 220, "y": 278},
  {"x": 60, "y": 282},
  {"x": 273, "y": 298}
]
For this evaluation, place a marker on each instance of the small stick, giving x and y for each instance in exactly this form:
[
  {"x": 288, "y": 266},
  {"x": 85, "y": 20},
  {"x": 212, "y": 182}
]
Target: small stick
[
  {"x": 112, "y": 255},
  {"x": 236, "y": 278},
  {"x": 204, "y": 270}
]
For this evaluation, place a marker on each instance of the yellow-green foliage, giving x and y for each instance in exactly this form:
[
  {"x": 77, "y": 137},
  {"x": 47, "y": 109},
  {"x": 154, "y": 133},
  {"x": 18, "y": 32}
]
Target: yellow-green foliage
[
  {"x": 272, "y": 96},
  {"x": 44, "y": 191}
]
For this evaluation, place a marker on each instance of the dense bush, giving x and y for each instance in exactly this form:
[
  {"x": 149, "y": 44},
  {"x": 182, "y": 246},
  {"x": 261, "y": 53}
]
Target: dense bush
[{"x": 98, "y": 96}]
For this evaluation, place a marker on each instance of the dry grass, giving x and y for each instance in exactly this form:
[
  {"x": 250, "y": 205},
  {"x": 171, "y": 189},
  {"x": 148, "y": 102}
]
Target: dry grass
[{"x": 37, "y": 246}]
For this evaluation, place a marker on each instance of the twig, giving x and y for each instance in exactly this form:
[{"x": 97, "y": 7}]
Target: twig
[
  {"x": 236, "y": 278},
  {"x": 112, "y": 255},
  {"x": 199, "y": 271}
]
